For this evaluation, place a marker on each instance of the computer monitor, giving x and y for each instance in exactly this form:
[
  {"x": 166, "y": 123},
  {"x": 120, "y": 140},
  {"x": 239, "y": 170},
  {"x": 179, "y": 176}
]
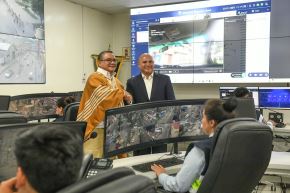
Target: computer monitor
[
  {"x": 36, "y": 106},
  {"x": 8, "y": 135},
  {"x": 4, "y": 102},
  {"x": 274, "y": 97},
  {"x": 149, "y": 124},
  {"x": 227, "y": 92},
  {"x": 77, "y": 95}
]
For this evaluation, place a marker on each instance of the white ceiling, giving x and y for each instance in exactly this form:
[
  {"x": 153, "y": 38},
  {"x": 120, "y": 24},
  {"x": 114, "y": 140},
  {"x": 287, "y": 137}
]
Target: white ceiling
[{"x": 121, "y": 6}]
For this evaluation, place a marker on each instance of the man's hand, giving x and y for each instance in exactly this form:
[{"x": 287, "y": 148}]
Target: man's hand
[
  {"x": 158, "y": 169},
  {"x": 128, "y": 97},
  {"x": 8, "y": 186}
]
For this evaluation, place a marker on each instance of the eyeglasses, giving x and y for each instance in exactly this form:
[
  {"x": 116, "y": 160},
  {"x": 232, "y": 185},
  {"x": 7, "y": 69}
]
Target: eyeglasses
[{"x": 109, "y": 60}]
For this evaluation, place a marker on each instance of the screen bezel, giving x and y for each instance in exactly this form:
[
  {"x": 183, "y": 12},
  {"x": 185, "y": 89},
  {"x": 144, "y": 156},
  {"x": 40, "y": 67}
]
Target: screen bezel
[{"x": 149, "y": 105}]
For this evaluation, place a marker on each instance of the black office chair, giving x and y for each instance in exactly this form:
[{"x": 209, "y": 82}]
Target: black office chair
[
  {"x": 241, "y": 153},
  {"x": 246, "y": 108},
  {"x": 8, "y": 117},
  {"x": 70, "y": 112},
  {"x": 105, "y": 177}
]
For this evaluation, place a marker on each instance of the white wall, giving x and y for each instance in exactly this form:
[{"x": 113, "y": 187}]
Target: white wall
[{"x": 72, "y": 34}]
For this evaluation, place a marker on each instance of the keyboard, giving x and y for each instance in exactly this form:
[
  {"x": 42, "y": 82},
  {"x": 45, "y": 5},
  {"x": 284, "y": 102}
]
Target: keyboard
[{"x": 146, "y": 167}]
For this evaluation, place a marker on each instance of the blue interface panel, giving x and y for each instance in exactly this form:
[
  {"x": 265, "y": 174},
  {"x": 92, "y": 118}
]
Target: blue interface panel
[
  {"x": 205, "y": 41},
  {"x": 274, "y": 97}
]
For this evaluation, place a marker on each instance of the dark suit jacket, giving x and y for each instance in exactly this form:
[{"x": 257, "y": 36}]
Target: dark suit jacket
[{"x": 161, "y": 89}]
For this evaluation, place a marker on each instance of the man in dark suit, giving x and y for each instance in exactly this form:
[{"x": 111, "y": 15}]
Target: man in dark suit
[{"x": 149, "y": 86}]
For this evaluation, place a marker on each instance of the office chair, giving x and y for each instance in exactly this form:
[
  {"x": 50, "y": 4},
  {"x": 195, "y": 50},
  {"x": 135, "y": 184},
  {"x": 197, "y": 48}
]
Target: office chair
[
  {"x": 70, "y": 112},
  {"x": 8, "y": 117},
  {"x": 241, "y": 153},
  {"x": 246, "y": 108},
  {"x": 105, "y": 177}
]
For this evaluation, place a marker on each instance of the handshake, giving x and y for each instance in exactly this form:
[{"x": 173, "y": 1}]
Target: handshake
[{"x": 128, "y": 97}]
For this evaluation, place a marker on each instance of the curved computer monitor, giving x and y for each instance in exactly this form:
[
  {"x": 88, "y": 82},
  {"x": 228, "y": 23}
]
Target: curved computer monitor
[
  {"x": 36, "y": 106},
  {"x": 144, "y": 125},
  {"x": 8, "y": 135}
]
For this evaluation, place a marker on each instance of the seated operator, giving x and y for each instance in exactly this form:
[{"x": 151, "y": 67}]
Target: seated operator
[
  {"x": 195, "y": 163},
  {"x": 243, "y": 92},
  {"x": 49, "y": 158}
]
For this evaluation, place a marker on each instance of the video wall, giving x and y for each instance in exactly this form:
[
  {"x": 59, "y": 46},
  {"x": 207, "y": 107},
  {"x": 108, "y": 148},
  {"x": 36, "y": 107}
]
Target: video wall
[
  {"x": 22, "y": 49},
  {"x": 217, "y": 41}
]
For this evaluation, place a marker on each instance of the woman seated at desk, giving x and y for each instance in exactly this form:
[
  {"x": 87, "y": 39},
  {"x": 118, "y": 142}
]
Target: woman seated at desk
[{"x": 195, "y": 163}]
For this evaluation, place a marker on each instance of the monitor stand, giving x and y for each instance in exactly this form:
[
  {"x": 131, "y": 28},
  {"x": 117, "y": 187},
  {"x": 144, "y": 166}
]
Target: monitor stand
[{"x": 174, "y": 149}]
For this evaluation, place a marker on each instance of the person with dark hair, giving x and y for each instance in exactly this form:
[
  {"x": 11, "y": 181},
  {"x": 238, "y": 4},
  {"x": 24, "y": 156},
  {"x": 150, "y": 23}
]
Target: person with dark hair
[
  {"x": 243, "y": 92},
  {"x": 103, "y": 91},
  {"x": 61, "y": 103},
  {"x": 49, "y": 158},
  {"x": 196, "y": 162},
  {"x": 147, "y": 87}
]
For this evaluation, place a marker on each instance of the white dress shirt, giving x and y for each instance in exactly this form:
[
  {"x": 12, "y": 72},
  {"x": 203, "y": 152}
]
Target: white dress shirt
[{"x": 148, "y": 84}]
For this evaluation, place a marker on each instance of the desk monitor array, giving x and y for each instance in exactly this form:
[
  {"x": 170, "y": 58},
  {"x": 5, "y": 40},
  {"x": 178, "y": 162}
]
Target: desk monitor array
[
  {"x": 8, "y": 135},
  {"x": 36, "y": 106},
  {"x": 264, "y": 97},
  {"x": 227, "y": 92},
  {"x": 149, "y": 124}
]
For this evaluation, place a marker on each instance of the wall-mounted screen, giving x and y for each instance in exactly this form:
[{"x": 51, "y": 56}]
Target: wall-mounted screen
[
  {"x": 214, "y": 41},
  {"x": 227, "y": 92},
  {"x": 274, "y": 97},
  {"x": 22, "y": 50},
  {"x": 148, "y": 124}
]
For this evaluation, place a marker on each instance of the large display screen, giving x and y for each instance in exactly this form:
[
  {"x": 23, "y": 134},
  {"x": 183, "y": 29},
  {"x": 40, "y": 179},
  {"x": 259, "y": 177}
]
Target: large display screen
[
  {"x": 213, "y": 41},
  {"x": 22, "y": 49},
  {"x": 143, "y": 125}
]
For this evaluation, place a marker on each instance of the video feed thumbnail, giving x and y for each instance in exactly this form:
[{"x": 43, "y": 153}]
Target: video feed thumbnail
[
  {"x": 190, "y": 46},
  {"x": 149, "y": 125}
]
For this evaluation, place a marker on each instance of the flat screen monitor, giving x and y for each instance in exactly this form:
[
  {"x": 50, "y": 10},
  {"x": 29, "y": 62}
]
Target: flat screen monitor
[
  {"x": 77, "y": 95},
  {"x": 4, "y": 102},
  {"x": 227, "y": 92},
  {"x": 274, "y": 97},
  {"x": 8, "y": 135},
  {"x": 36, "y": 106},
  {"x": 148, "y": 124},
  {"x": 217, "y": 41}
]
